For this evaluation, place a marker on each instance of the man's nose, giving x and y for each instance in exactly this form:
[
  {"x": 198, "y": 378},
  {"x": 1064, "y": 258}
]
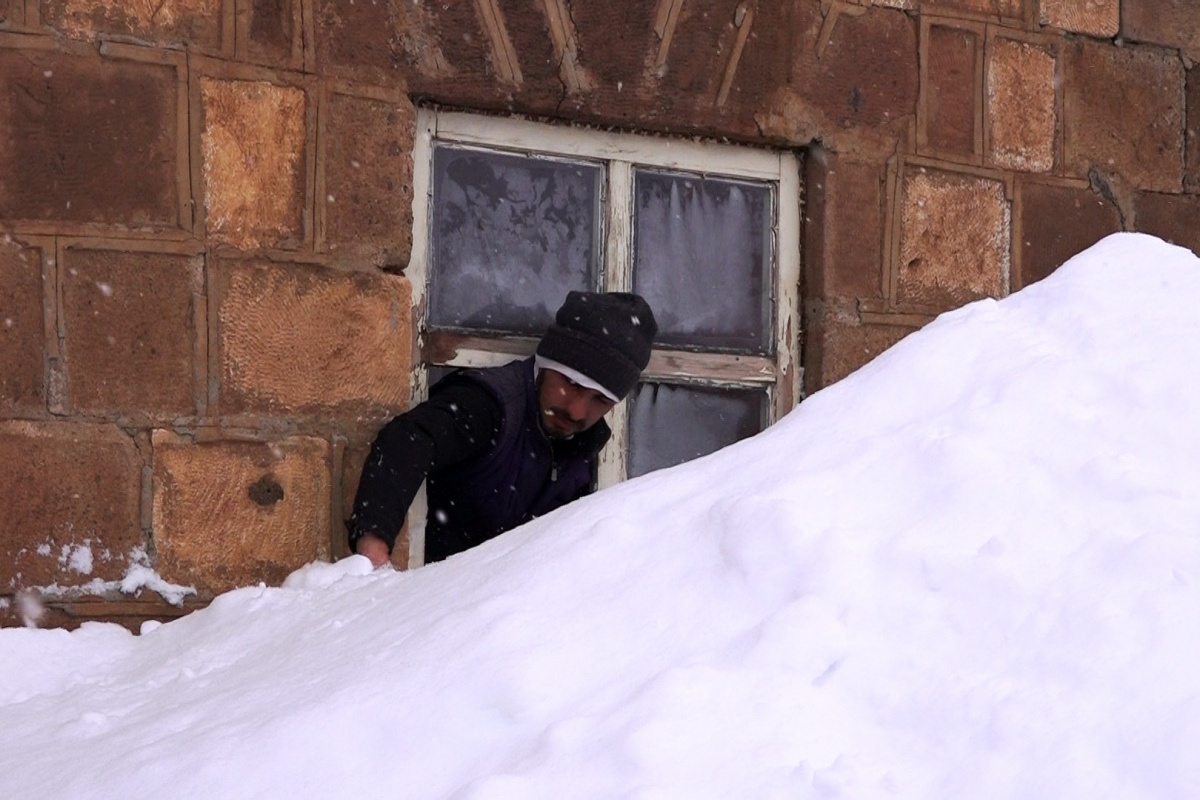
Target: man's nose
[{"x": 577, "y": 405}]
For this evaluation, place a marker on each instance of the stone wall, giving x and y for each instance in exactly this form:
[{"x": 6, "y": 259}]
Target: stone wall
[{"x": 205, "y": 214}]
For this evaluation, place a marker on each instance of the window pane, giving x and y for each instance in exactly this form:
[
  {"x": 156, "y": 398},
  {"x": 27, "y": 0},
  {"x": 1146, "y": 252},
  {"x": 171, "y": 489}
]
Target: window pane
[
  {"x": 669, "y": 425},
  {"x": 702, "y": 258},
  {"x": 510, "y": 236}
]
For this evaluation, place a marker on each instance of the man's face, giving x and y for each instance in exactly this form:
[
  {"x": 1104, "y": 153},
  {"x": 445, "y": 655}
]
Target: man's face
[{"x": 566, "y": 407}]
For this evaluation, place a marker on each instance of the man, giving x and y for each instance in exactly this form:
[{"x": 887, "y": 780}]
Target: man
[{"x": 503, "y": 445}]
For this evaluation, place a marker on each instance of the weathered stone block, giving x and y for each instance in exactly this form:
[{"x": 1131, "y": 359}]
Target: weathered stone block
[
  {"x": 868, "y": 73},
  {"x": 950, "y": 105},
  {"x": 130, "y": 331},
  {"x": 253, "y": 144},
  {"x": 360, "y": 39},
  {"x": 1143, "y": 143},
  {"x": 858, "y": 75},
  {"x": 1172, "y": 23},
  {"x": 989, "y": 8},
  {"x": 71, "y": 504},
  {"x": 1097, "y": 17},
  {"x": 197, "y": 22},
  {"x": 368, "y": 180},
  {"x": 302, "y": 339},
  {"x": 270, "y": 29},
  {"x": 87, "y": 140},
  {"x": 1057, "y": 222},
  {"x": 230, "y": 514},
  {"x": 954, "y": 239},
  {"x": 22, "y": 331},
  {"x": 644, "y": 48},
  {"x": 845, "y": 227},
  {"x": 1173, "y": 217},
  {"x": 1022, "y": 115},
  {"x": 1191, "y": 178},
  {"x": 840, "y": 346}
]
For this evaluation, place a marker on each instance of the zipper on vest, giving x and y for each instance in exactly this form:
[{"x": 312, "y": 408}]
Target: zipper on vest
[{"x": 553, "y": 471}]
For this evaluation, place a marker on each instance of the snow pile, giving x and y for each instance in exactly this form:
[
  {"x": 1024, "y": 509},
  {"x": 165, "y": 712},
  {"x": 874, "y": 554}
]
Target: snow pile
[{"x": 970, "y": 570}]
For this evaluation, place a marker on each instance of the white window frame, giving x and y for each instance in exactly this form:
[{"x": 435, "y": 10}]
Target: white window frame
[{"x": 779, "y": 374}]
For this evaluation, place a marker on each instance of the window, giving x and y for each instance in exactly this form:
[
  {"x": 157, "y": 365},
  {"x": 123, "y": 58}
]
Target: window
[{"x": 510, "y": 215}]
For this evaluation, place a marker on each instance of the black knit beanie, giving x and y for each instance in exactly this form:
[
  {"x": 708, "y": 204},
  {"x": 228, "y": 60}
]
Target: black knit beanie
[{"x": 604, "y": 335}]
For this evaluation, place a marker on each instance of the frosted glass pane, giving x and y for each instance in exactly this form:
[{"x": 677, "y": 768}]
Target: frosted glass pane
[
  {"x": 669, "y": 425},
  {"x": 511, "y": 235},
  {"x": 702, "y": 258}
]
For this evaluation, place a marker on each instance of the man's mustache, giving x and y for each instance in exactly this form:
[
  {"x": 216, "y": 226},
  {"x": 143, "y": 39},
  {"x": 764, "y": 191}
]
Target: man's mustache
[{"x": 563, "y": 415}]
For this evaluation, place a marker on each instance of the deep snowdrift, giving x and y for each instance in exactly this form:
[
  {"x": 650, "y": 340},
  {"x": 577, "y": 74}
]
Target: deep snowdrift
[{"x": 970, "y": 570}]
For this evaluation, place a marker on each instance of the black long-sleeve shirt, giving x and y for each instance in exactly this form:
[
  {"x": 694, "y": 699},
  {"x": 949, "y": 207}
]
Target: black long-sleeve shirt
[
  {"x": 459, "y": 421},
  {"x": 479, "y": 441}
]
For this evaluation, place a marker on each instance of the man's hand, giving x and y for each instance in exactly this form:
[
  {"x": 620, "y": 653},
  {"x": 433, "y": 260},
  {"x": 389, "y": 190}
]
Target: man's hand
[{"x": 373, "y": 548}]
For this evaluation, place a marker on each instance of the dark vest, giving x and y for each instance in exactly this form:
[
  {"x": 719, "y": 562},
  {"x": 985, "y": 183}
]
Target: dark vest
[{"x": 524, "y": 475}]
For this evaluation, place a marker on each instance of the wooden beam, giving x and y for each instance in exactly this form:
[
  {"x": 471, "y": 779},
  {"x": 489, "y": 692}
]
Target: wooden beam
[
  {"x": 504, "y": 55},
  {"x": 742, "y": 20},
  {"x": 665, "y": 20},
  {"x": 566, "y": 46}
]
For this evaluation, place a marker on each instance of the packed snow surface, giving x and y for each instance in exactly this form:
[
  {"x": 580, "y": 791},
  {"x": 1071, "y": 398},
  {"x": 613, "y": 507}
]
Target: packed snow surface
[{"x": 970, "y": 570}]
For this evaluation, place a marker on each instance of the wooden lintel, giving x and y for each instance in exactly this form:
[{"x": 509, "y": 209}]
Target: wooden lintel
[
  {"x": 711, "y": 367},
  {"x": 447, "y": 348}
]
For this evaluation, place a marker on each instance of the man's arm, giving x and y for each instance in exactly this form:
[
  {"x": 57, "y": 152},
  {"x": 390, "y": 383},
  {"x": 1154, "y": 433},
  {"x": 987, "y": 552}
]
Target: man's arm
[{"x": 461, "y": 419}]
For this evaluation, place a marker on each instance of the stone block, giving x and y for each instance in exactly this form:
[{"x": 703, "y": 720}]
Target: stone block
[
  {"x": 1021, "y": 108},
  {"x": 230, "y": 514},
  {"x": 253, "y": 141},
  {"x": 1095, "y": 17},
  {"x": 72, "y": 497},
  {"x": 368, "y": 180},
  {"x": 1011, "y": 9},
  {"x": 1057, "y": 222},
  {"x": 624, "y": 43},
  {"x": 130, "y": 330},
  {"x": 196, "y": 22},
  {"x": 542, "y": 64},
  {"x": 661, "y": 65},
  {"x": 954, "y": 239},
  {"x": 854, "y": 76},
  {"x": 308, "y": 340},
  {"x": 841, "y": 345},
  {"x": 87, "y": 140},
  {"x": 1171, "y": 23},
  {"x": 359, "y": 39},
  {"x": 1173, "y": 217},
  {"x": 867, "y": 73},
  {"x": 270, "y": 29},
  {"x": 1143, "y": 143},
  {"x": 22, "y": 330},
  {"x": 1191, "y": 178},
  {"x": 951, "y": 118},
  {"x": 845, "y": 203}
]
